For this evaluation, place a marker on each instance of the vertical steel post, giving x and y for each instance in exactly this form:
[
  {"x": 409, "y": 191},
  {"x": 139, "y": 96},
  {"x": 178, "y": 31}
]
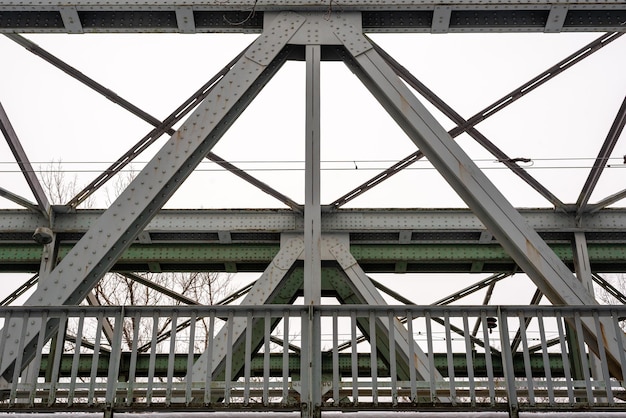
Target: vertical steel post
[
  {"x": 312, "y": 227},
  {"x": 582, "y": 267}
]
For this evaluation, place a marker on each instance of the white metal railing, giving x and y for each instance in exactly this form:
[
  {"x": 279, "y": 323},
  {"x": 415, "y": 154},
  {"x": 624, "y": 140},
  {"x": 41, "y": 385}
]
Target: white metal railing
[{"x": 142, "y": 364}]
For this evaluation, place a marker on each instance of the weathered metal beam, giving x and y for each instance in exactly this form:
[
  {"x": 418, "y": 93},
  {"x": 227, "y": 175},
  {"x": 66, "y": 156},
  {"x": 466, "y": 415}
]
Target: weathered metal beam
[
  {"x": 276, "y": 364},
  {"x": 603, "y": 156},
  {"x": 22, "y": 161},
  {"x": 410, "y": 360},
  {"x": 415, "y": 16},
  {"x": 161, "y": 289},
  {"x": 609, "y": 200},
  {"x": 374, "y": 258},
  {"x": 23, "y": 288},
  {"x": 161, "y": 127},
  {"x": 420, "y": 225},
  {"x": 524, "y": 245},
  {"x": 227, "y": 357},
  {"x": 500, "y": 155},
  {"x": 20, "y": 200},
  {"x": 118, "y": 227},
  {"x": 467, "y": 125}
]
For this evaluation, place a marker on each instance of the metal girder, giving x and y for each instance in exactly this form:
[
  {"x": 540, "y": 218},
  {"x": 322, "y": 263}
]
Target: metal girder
[
  {"x": 468, "y": 124},
  {"x": 269, "y": 288},
  {"x": 501, "y": 156},
  {"x": 23, "y": 288},
  {"x": 603, "y": 156},
  {"x": 255, "y": 182},
  {"x": 609, "y": 200},
  {"x": 420, "y": 225},
  {"x": 24, "y": 164},
  {"x": 161, "y": 127},
  {"x": 161, "y": 289},
  {"x": 20, "y": 200},
  {"x": 162, "y": 362},
  {"x": 610, "y": 289},
  {"x": 89, "y": 16},
  {"x": 524, "y": 245},
  {"x": 360, "y": 289},
  {"x": 117, "y": 228},
  {"x": 374, "y": 258},
  {"x": 312, "y": 284}
]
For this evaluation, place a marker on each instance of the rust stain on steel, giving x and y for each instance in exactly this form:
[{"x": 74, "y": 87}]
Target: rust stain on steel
[
  {"x": 404, "y": 104},
  {"x": 606, "y": 343},
  {"x": 532, "y": 253}
]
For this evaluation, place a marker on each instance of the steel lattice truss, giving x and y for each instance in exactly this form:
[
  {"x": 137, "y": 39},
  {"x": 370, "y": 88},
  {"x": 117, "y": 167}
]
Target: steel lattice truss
[{"x": 313, "y": 248}]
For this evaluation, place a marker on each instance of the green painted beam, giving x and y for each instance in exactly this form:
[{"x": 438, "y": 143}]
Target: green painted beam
[
  {"x": 604, "y": 257},
  {"x": 180, "y": 365}
]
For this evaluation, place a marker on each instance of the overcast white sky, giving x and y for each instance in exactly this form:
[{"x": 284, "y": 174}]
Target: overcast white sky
[
  {"x": 561, "y": 126},
  {"x": 565, "y": 120}
]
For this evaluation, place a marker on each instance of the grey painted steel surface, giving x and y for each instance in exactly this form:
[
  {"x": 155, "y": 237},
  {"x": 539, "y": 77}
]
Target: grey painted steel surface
[
  {"x": 312, "y": 375},
  {"x": 160, "y": 127},
  {"x": 605, "y": 152},
  {"x": 264, "y": 291},
  {"x": 533, "y": 255},
  {"x": 117, "y": 228},
  {"x": 123, "y": 384},
  {"x": 19, "y": 200},
  {"x": 23, "y": 162},
  {"x": 15, "y": 224},
  {"x": 411, "y": 358},
  {"x": 436, "y": 16}
]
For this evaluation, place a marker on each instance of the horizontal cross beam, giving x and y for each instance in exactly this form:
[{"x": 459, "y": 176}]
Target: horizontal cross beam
[{"x": 246, "y": 16}]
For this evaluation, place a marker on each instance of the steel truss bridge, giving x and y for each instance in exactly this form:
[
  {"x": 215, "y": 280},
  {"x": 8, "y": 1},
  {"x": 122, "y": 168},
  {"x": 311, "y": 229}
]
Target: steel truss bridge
[{"x": 282, "y": 346}]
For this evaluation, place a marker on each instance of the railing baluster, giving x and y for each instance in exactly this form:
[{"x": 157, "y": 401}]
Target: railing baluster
[
  {"x": 56, "y": 365},
  {"x": 93, "y": 374},
  {"x": 449, "y": 357},
  {"x": 114, "y": 359},
  {"x": 171, "y": 358},
  {"x": 431, "y": 356},
  {"x": 76, "y": 358},
  {"x": 208, "y": 379},
  {"x": 527, "y": 368},
  {"x": 229, "y": 359},
  {"x": 18, "y": 360},
  {"x": 335, "y": 360},
  {"x": 412, "y": 377},
  {"x": 620, "y": 343},
  {"x": 5, "y": 329},
  {"x": 603, "y": 360},
  {"x": 266, "y": 358},
  {"x": 152, "y": 363},
  {"x": 583, "y": 357},
  {"x": 488, "y": 358},
  {"x": 354, "y": 360},
  {"x": 133, "y": 360},
  {"x": 469, "y": 354},
  {"x": 546, "y": 358},
  {"x": 190, "y": 355},
  {"x": 507, "y": 363},
  {"x": 373, "y": 358},
  {"x": 392, "y": 358},
  {"x": 248, "y": 354},
  {"x": 565, "y": 358},
  {"x": 285, "y": 374},
  {"x": 305, "y": 388},
  {"x": 36, "y": 363}
]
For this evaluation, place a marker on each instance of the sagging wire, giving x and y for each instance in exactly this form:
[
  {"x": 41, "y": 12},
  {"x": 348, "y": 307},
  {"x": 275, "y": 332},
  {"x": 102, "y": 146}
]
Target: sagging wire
[
  {"x": 247, "y": 19},
  {"x": 517, "y": 160},
  {"x": 617, "y": 165}
]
